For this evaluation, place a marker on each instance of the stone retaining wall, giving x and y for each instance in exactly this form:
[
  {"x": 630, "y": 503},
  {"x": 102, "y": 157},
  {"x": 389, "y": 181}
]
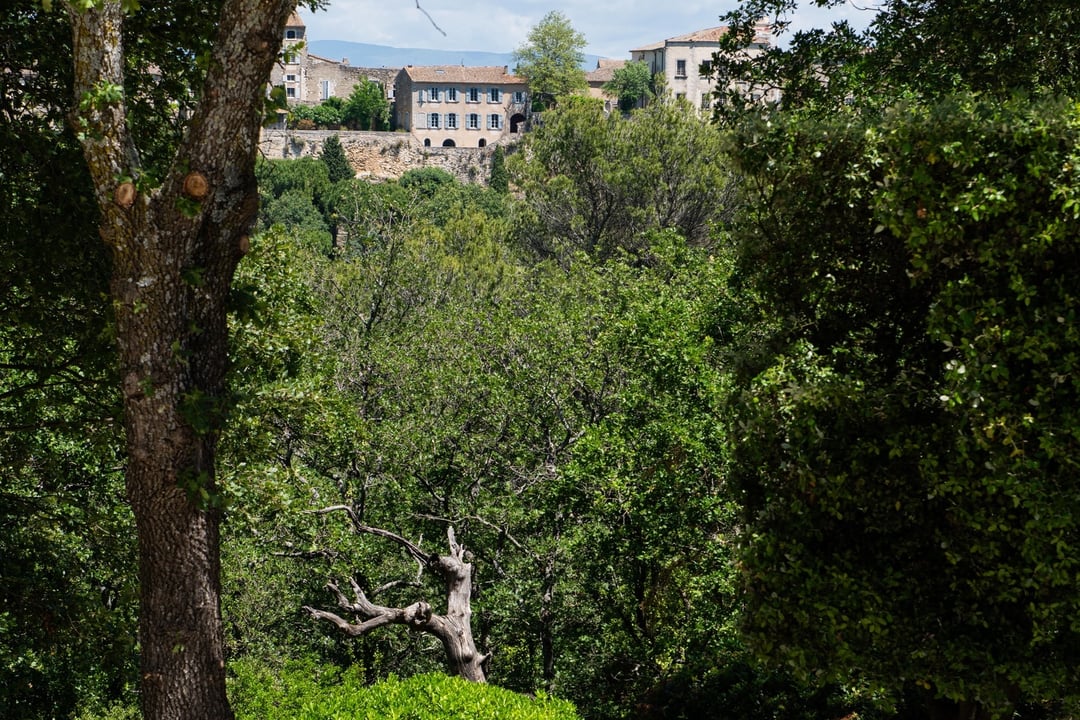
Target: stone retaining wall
[{"x": 380, "y": 155}]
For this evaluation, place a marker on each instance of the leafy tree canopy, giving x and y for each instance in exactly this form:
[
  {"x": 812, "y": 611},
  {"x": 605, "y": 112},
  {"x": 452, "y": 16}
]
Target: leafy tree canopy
[
  {"x": 550, "y": 59},
  {"x": 904, "y": 433},
  {"x": 367, "y": 107},
  {"x": 632, "y": 84},
  {"x": 925, "y": 48}
]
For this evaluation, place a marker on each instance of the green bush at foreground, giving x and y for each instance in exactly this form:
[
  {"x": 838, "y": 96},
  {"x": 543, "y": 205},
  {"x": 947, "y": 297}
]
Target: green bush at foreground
[{"x": 301, "y": 692}]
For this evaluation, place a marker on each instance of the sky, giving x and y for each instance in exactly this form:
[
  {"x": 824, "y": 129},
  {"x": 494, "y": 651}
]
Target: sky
[{"x": 611, "y": 28}]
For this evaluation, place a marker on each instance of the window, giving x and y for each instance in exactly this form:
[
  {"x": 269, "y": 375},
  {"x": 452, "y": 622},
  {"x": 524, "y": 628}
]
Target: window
[
  {"x": 473, "y": 122},
  {"x": 433, "y": 94},
  {"x": 519, "y": 97},
  {"x": 290, "y": 92},
  {"x": 494, "y": 95},
  {"x": 451, "y": 94},
  {"x": 705, "y": 100},
  {"x": 324, "y": 90},
  {"x": 494, "y": 121},
  {"x": 680, "y": 68},
  {"x": 680, "y": 96},
  {"x": 290, "y": 78},
  {"x": 290, "y": 34},
  {"x": 474, "y": 95},
  {"x": 451, "y": 121},
  {"x": 706, "y": 68},
  {"x": 433, "y": 120}
]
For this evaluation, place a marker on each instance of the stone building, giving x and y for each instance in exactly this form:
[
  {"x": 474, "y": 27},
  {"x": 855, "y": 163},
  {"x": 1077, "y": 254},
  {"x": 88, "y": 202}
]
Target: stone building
[
  {"x": 680, "y": 61},
  {"x": 602, "y": 74},
  {"x": 459, "y": 106},
  {"x": 309, "y": 79}
]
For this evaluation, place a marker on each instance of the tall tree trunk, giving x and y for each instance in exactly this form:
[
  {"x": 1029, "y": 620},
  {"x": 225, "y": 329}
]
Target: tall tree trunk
[{"x": 174, "y": 249}]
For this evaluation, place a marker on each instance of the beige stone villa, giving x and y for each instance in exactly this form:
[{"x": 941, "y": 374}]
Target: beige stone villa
[{"x": 458, "y": 106}]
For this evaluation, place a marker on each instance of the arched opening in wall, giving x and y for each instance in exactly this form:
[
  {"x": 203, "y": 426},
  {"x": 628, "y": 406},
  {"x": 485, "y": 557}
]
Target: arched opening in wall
[
  {"x": 290, "y": 34},
  {"x": 482, "y": 142},
  {"x": 448, "y": 143},
  {"x": 427, "y": 142},
  {"x": 516, "y": 123}
]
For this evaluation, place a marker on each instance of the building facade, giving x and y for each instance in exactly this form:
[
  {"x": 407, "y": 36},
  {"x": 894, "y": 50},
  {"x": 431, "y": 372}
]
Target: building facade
[
  {"x": 684, "y": 61},
  {"x": 459, "y": 106},
  {"x": 309, "y": 79}
]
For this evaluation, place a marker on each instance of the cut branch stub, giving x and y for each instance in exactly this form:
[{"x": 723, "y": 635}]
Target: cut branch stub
[
  {"x": 124, "y": 195},
  {"x": 195, "y": 185}
]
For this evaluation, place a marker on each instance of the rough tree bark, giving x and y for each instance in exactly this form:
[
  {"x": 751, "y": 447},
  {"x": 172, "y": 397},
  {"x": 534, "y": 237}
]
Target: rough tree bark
[
  {"x": 174, "y": 250},
  {"x": 454, "y": 629}
]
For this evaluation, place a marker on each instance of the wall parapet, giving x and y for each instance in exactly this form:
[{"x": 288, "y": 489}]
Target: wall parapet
[{"x": 380, "y": 155}]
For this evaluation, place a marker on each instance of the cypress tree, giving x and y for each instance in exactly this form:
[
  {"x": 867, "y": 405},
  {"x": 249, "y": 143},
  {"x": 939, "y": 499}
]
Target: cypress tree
[{"x": 336, "y": 162}]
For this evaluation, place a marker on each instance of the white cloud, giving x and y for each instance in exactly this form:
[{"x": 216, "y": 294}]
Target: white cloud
[{"x": 611, "y": 29}]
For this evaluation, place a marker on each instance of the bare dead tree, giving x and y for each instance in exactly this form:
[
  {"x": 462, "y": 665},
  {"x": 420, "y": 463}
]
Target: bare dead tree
[{"x": 453, "y": 629}]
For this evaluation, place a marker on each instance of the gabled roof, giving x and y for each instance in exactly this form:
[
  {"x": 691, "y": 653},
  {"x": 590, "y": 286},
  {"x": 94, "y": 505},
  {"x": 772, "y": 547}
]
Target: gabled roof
[
  {"x": 707, "y": 35},
  {"x": 650, "y": 46},
  {"x": 486, "y": 74},
  {"x": 605, "y": 70}
]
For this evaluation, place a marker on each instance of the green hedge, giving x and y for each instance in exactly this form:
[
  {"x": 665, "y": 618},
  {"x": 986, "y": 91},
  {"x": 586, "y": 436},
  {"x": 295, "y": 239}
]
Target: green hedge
[{"x": 305, "y": 692}]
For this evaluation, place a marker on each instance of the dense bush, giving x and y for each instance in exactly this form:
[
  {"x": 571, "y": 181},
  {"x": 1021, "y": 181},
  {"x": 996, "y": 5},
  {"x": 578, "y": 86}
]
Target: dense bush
[{"x": 305, "y": 692}]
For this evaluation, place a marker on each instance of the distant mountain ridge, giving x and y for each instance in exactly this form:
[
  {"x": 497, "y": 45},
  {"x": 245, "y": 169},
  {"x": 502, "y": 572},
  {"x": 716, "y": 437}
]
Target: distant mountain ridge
[{"x": 383, "y": 56}]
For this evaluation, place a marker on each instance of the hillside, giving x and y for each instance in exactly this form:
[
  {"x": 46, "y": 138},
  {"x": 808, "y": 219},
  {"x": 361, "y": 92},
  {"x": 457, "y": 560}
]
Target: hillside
[{"x": 368, "y": 55}]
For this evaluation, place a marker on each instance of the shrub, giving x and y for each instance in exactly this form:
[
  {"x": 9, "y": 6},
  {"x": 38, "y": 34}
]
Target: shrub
[{"x": 305, "y": 691}]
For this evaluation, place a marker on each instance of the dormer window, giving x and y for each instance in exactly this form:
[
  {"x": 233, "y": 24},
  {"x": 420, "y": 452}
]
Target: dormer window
[{"x": 290, "y": 34}]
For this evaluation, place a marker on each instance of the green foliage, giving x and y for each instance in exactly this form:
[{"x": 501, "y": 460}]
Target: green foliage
[
  {"x": 304, "y": 692},
  {"x": 499, "y": 180},
  {"x": 550, "y": 60},
  {"x": 324, "y": 115},
  {"x": 337, "y": 165},
  {"x": 901, "y": 432},
  {"x": 426, "y": 181},
  {"x": 297, "y": 194},
  {"x": 600, "y": 184},
  {"x": 67, "y": 574},
  {"x": 912, "y": 48},
  {"x": 367, "y": 107},
  {"x": 632, "y": 84}
]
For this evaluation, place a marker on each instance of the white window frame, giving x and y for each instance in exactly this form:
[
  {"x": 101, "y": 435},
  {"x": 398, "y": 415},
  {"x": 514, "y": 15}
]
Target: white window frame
[
  {"x": 433, "y": 121},
  {"x": 451, "y": 121},
  {"x": 473, "y": 95},
  {"x": 494, "y": 95},
  {"x": 451, "y": 94},
  {"x": 433, "y": 94},
  {"x": 495, "y": 121},
  {"x": 472, "y": 121},
  {"x": 680, "y": 68},
  {"x": 290, "y": 77},
  {"x": 519, "y": 97}
]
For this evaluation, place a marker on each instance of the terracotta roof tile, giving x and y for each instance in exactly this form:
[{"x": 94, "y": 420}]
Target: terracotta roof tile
[
  {"x": 605, "y": 70},
  {"x": 706, "y": 35},
  {"x": 487, "y": 74}
]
